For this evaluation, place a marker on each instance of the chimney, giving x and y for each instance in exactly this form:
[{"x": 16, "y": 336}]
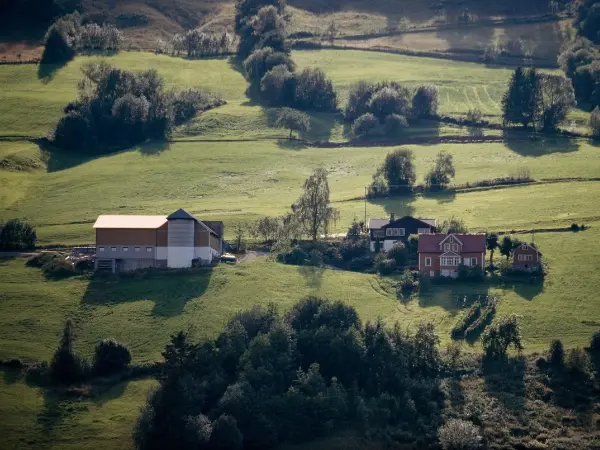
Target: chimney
[{"x": 392, "y": 217}]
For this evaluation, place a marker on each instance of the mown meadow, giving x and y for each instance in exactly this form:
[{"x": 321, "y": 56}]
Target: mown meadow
[{"x": 230, "y": 164}]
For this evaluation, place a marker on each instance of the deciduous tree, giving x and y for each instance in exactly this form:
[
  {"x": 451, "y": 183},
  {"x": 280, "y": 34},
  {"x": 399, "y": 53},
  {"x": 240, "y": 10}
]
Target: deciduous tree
[
  {"x": 293, "y": 120},
  {"x": 442, "y": 172},
  {"x": 491, "y": 244}
]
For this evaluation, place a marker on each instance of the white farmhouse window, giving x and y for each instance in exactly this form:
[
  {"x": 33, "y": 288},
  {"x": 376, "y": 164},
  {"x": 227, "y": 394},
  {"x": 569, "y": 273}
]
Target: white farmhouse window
[
  {"x": 467, "y": 261},
  {"x": 521, "y": 257},
  {"x": 394, "y": 232},
  {"x": 427, "y": 262},
  {"x": 446, "y": 247},
  {"x": 454, "y": 247},
  {"x": 149, "y": 249},
  {"x": 528, "y": 257},
  {"x": 473, "y": 262},
  {"x": 450, "y": 260},
  {"x": 137, "y": 249},
  {"x": 523, "y": 246},
  {"x": 113, "y": 249},
  {"x": 125, "y": 249},
  {"x": 424, "y": 231}
]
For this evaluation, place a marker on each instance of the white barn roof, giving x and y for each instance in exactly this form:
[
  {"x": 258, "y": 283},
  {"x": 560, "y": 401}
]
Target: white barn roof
[{"x": 148, "y": 222}]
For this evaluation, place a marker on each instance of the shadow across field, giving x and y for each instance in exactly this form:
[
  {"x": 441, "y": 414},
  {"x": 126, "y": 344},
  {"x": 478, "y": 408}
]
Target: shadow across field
[
  {"x": 526, "y": 144},
  {"x": 399, "y": 205},
  {"x": 169, "y": 290},
  {"x": 505, "y": 380}
]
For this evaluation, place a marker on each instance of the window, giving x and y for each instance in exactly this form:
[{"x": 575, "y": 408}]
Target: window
[
  {"x": 424, "y": 231},
  {"x": 467, "y": 262},
  {"x": 521, "y": 257},
  {"x": 100, "y": 249},
  {"x": 523, "y": 246},
  {"x": 473, "y": 262},
  {"x": 455, "y": 247},
  {"x": 427, "y": 262},
  {"x": 125, "y": 249},
  {"x": 432, "y": 273},
  {"x": 149, "y": 249},
  {"x": 446, "y": 247},
  {"x": 394, "y": 232},
  {"x": 450, "y": 260},
  {"x": 113, "y": 249},
  {"x": 528, "y": 257},
  {"x": 137, "y": 249}
]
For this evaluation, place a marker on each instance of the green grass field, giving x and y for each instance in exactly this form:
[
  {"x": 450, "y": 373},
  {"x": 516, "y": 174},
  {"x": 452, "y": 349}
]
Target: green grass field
[{"x": 62, "y": 193}]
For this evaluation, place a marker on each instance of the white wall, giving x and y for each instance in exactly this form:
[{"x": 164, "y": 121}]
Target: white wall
[
  {"x": 388, "y": 244},
  {"x": 162, "y": 252},
  {"x": 180, "y": 251}
]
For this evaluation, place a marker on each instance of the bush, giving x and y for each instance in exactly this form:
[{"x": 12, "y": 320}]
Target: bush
[
  {"x": 365, "y": 126},
  {"x": 265, "y": 59},
  {"x": 594, "y": 122},
  {"x": 406, "y": 283},
  {"x": 557, "y": 353},
  {"x": 314, "y": 91},
  {"x": 574, "y": 227},
  {"x": 394, "y": 124},
  {"x": 189, "y": 102},
  {"x": 398, "y": 253},
  {"x": 110, "y": 357},
  {"x": 595, "y": 343},
  {"x": 67, "y": 366},
  {"x": 278, "y": 86},
  {"x": 17, "y": 234},
  {"x": 425, "y": 102},
  {"x": 472, "y": 315},
  {"x": 578, "y": 363},
  {"x": 384, "y": 265},
  {"x": 226, "y": 434},
  {"x": 457, "y": 434},
  {"x": 474, "y": 116},
  {"x": 388, "y": 101}
]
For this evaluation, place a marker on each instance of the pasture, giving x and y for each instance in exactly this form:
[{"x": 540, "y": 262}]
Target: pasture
[{"x": 229, "y": 164}]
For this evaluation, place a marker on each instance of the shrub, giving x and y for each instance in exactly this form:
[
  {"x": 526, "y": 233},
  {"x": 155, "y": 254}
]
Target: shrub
[
  {"x": 595, "y": 343},
  {"x": 474, "y": 312},
  {"x": 398, "y": 253},
  {"x": 388, "y": 101},
  {"x": 594, "y": 122},
  {"x": 226, "y": 434},
  {"x": 293, "y": 120},
  {"x": 189, "y": 102},
  {"x": 110, "y": 357},
  {"x": 265, "y": 59},
  {"x": 457, "y": 434},
  {"x": 406, "y": 283},
  {"x": 492, "y": 52},
  {"x": 384, "y": 265},
  {"x": 314, "y": 91},
  {"x": 66, "y": 365},
  {"x": 474, "y": 116},
  {"x": 197, "y": 44},
  {"x": 574, "y": 227},
  {"x": 425, "y": 102},
  {"x": 17, "y": 234},
  {"x": 557, "y": 353},
  {"x": 394, "y": 124},
  {"x": 578, "y": 363},
  {"x": 278, "y": 86},
  {"x": 365, "y": 126}
]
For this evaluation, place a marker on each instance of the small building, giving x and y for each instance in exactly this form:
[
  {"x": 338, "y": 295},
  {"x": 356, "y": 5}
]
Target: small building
[
  {"x": 526, "y": 257},
  {"x": 442, "y": 254},
  {"x": 126, "y": 242},
  {"x": 389, "y": 231}
]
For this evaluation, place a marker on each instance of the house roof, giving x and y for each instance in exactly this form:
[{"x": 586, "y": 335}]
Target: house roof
[
  {"x": 121, "y": 221},
  {"x": 181, "y": 214},
  {"x": 376, "y": 224},
  {"x": 532, "y": 245},
  {"x": 472, "y": 243}
]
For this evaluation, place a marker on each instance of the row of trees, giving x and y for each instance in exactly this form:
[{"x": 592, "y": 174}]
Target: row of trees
[
  {"x": 17, "y": 234},
  {"x": 536, "y": 99},
  {"x": 270, "y": 378},
  {"x": 68, "y": 35},
  {"x": 196, "y": 44},
  {"x": 505, "y": 246},
  {"x": 397, "y": 174},
  {"x": 118, "y": 108},
  {"x": 262, "y": 29},
  {"x": 385, "y": 108}
]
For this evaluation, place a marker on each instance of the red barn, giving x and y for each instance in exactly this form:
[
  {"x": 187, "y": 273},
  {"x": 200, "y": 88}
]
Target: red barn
[{"x": 441, "y": 254}]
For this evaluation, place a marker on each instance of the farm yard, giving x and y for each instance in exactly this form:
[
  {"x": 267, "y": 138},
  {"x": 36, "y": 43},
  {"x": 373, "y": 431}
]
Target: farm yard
[{"x": 232, "y": 164}]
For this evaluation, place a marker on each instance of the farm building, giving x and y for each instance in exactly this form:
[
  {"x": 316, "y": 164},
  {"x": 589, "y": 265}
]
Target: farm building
[
  {"x": 442, "y": 254},
  {"x": 126, "y": 242},
  {"x": 389, "y": 231},
  {"x": 526, "y": 257}
]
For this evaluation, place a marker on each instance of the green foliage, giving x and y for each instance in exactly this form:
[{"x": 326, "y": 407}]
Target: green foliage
[
  {"x": 587, "y": 20},
  {"x": 365, "y": 126},
  {"x": 384, "y": 265},
  {"x": 396, "y": 174},
  {"x": 453, "y": 225},
  {"x": 594, "y": 122},
  {"x": 474, "y": 116},
  {"x": 425, "y": 102},
  {"x": 498, "y": 337},
  {"x": 226, "y": 434},
  {"x": 388, "y": 101},
  {"x": 457, "y": 434},
  {"x": 267, "y": 228},
  {"x": 314, "y": 91},
  {"x": 197, "y": 44},
  {"x": 257, "y": 25},
  {"x": 578, "y": 364},
  {"x": 293, "y": 120},
  {"x": 442, "y": 172},
  {"x": 110, "y": 356},
  {"x": 595, "y": 343},
  {"x": 278, "y": 86},
  {"x": 117, "y": 108},
  {"x": 507, "y": 245},
  {"x": 67, "y": 366},
  {"x": 313, "y": 208},
  {"x": 265, "y": 59},
  {"x": 521, "y": 101},
  {"x": 491, "y": 244},
  {"x": 399, "y": 253},
  {"x": 557, "y": 353},
  {"x": 17, "y": 234}
]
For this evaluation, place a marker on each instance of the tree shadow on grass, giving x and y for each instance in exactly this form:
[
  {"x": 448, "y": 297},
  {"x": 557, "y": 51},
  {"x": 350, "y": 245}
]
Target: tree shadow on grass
[
  {"x": 153, "y": 148},
  {"x": 57, "y": 159},
  {"x": 170, "y": 290},
  {"x": 528, "y": 144},
  {"x": 505, "y": 380},
  {"x": 399, "y": 205},
  {"x": 442, "y": 197},
  {"x": 10, "y": 376},
  {"x": 454, "y": 296},
  {"x": 47, "y": 72}
]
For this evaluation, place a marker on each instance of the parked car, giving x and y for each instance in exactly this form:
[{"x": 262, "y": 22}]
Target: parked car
[{"x": 228, "y": 258}]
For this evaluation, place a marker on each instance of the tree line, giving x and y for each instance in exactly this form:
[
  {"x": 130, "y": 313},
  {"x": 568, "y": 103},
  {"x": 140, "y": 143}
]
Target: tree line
[
  {"x": 261, "y": 26},
  {"x": 70, "y": 34},
  {"x": 270, "y": 378},
  {"x": 196, "y": 44},
  {"x": 117, "y": 108}
]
